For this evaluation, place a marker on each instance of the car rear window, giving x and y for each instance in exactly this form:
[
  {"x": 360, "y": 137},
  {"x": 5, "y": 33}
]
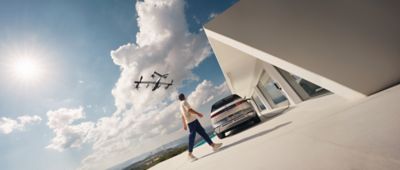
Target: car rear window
[{"x": 224, "y": 101}]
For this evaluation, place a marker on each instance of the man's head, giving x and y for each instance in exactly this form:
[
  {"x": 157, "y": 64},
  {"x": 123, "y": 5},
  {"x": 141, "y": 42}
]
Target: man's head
[{"x": 181, "y": 97}]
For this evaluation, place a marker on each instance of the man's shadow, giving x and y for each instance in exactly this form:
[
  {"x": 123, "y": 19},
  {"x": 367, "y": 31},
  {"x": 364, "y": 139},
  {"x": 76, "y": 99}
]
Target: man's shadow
[{"x": 250, "y": 137}]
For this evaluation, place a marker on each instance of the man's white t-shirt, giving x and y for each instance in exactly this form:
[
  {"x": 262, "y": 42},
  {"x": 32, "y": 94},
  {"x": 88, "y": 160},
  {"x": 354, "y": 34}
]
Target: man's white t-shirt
[{"x": 184, "y": 106}]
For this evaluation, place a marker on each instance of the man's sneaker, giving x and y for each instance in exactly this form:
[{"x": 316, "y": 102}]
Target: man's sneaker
[
  {"x": 192, "y": 158},
  {"x": 216, "y": 146}
]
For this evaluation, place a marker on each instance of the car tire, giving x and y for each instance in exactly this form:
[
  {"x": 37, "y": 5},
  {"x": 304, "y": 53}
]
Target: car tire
[
  {"x": 256, "y": 119},
  {"x": 220, "y": 135}
]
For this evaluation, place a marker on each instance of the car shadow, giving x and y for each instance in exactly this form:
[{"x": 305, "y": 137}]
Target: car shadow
[
  {"x": 250, "y": 137},
  {"x": 251, "y": 124}
]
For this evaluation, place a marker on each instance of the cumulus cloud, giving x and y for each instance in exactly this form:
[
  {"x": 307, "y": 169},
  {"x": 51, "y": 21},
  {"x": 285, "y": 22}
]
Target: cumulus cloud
[
  {"x": 206, "y": 92},
  {"x": 163, "y": 44},
  {"x": 67, "y": 135},
  {"x": 8, "y": 125},
  {"x": 116, "y": 138}
]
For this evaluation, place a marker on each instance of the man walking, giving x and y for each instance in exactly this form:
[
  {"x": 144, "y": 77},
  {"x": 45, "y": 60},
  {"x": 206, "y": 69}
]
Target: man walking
[{"x": 189, "y": 119}]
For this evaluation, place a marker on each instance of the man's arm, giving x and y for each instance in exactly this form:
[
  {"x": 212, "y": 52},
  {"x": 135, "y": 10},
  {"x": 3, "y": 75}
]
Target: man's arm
[
  {"x": 184, "y": 123},
  {"x": 192, "y": 111}
]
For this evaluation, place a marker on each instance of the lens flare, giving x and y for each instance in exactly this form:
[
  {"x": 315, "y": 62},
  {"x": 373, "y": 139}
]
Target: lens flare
[{"x": 27, "y": 70}]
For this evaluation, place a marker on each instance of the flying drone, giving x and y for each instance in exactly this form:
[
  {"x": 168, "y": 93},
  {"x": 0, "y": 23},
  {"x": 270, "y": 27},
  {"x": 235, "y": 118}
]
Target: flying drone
[{"x": 157, "y": 83}]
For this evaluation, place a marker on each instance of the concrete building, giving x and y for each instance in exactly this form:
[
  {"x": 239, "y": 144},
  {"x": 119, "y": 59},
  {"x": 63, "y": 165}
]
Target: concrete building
[{"x": 282, "y": 52}]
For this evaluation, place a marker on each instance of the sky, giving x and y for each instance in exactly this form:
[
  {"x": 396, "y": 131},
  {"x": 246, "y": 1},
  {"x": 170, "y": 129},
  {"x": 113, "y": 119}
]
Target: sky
[{"x": 66, "y": 73}]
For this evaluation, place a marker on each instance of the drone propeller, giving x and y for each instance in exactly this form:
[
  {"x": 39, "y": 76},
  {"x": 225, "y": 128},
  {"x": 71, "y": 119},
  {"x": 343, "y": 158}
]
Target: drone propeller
[
  {"x": 166, "y": 87},
  {"x": 165, "y": 76},
  {"x": 138, "y": 82}
]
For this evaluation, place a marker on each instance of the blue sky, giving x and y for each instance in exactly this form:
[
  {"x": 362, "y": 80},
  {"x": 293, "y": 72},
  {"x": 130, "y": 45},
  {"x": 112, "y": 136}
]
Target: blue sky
[{"x": 72, "y": 41}]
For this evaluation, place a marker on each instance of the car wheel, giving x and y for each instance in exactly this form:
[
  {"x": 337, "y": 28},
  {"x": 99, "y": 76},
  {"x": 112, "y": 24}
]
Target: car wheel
[
  {"x": 220, "y": 135},
  {"x": 256, "y": 119}
]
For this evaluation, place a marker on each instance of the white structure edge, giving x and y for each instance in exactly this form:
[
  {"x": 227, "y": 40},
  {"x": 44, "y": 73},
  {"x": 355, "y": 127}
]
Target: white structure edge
[{"x": 328, "y": 84}]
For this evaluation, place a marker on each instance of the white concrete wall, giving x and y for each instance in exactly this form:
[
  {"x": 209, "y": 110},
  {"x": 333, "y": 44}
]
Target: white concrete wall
[
  {"x": 351, "y": 48},
  {"x": 241, "y": 71}
]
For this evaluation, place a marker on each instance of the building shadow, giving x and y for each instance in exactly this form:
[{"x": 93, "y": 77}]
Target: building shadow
[
  {"x": 250, "y": 137},
  {"x": 250, "y": 124}
]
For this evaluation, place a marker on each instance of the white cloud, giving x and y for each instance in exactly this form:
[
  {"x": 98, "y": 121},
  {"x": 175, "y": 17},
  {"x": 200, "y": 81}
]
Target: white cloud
[
  {"x": 68, "y": 135},
  {"x": 118, "y": 138},
  {"x": 212, "y": 15},
  {"x": 8, "y": 125},
  {"x": 29, "y": 119},
  {"x": 206, "y": 92},
  {"x": 163, "y": 44}
]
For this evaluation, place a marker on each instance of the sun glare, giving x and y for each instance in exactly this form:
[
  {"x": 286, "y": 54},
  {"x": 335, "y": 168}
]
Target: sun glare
[{"x": 26, "y": 70}]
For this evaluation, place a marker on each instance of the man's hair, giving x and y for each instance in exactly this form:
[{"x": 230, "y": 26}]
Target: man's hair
[{"x": 181, "y": 97}]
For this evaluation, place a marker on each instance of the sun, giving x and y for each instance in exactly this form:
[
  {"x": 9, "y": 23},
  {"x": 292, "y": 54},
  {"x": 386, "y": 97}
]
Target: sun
[{"x": 26, "y": 69}]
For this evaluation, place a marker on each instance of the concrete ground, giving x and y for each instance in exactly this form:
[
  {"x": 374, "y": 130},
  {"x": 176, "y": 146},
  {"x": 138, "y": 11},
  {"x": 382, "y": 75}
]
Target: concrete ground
[{"x": 323, "y": 133}]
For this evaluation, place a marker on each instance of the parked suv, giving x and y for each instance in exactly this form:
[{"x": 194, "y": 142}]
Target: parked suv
[{"x": 229, "y": 112}]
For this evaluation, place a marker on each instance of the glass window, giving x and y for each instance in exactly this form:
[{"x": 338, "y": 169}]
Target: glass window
[
  {"x": 271, "y": 89},
  {"x": 311, "y": 88},
  {"x": 224, "y": 101}
]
